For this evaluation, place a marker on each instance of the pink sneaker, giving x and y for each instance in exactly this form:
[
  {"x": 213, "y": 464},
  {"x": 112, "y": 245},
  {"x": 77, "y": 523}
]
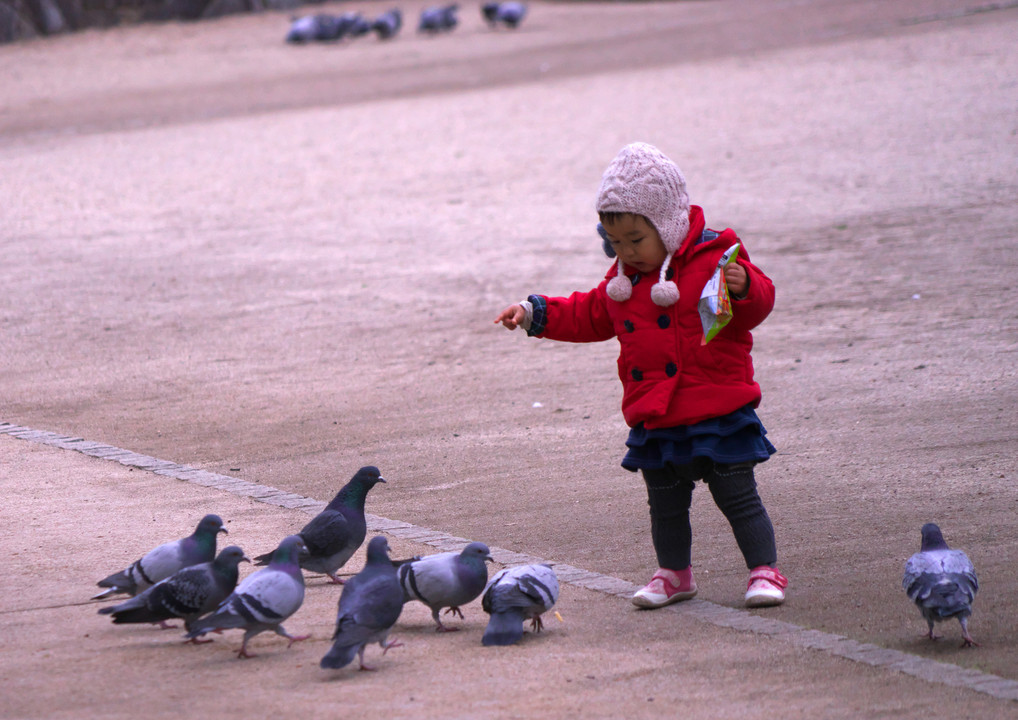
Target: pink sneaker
[
  {"x": 665, "y": 588},
  {"x": 766, "y": 587}
]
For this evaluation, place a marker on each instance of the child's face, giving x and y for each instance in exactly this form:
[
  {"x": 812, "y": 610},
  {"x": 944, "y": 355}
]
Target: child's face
[{"x": 637, "y": 242}]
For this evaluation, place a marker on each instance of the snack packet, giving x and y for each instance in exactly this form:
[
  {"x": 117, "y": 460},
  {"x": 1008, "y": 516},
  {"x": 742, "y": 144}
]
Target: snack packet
[{"x": 715, "y": 304}]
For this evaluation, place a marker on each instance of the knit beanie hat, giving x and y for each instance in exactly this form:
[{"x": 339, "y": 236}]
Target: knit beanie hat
[{"x": 641, "y": 180}]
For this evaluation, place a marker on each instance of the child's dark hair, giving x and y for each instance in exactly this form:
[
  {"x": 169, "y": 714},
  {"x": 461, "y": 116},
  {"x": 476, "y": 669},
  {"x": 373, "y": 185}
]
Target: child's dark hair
[{"x": 608, "y": 217}]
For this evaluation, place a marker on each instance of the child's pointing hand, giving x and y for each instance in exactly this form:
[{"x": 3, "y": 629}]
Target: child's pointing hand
[{"x": 511, "y": 317}]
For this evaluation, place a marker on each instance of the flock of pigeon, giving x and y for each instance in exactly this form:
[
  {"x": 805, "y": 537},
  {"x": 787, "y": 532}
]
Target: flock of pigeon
[
  {"x": 186, "y": 579},
  {"x": 323, "y": 27}
]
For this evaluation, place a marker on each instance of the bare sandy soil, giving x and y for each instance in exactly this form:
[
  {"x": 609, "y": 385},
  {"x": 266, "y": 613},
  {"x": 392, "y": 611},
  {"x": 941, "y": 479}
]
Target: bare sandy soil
[{"x": 281, "y": 263}]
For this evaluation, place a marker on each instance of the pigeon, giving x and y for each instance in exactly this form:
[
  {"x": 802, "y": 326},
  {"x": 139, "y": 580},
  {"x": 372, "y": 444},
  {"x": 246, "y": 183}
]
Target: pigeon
[
  {"x": 941, "y": 582},
  {"x": 446, "y": 580},
  {"x": 188, "y": 594},
  {"x": 335, "y": 534},
  {"x": 439, "y": 18},
  {"x": 388, "y": 24},
  {"x": 514, "y": 595},
  {"x": 319, "y": 27},
  {"x": 161, "y": 562},
  {"x": 510, "y": 14},
  {"x": 354, "y": 24},
  {"x": 262, "y": 601},
  {"x": 369, "y": 606}
]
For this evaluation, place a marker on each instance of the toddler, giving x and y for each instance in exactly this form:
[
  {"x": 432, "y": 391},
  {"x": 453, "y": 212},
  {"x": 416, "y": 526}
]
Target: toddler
[{"x": 689, "y": 406}]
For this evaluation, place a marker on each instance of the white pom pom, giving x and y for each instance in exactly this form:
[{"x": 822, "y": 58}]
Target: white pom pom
[
  {"x": 620, "y": 288},
  {"x": 664, "y": 293}
]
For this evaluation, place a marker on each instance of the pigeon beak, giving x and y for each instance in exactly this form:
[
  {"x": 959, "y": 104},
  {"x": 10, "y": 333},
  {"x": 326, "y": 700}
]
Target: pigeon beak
[
  {"x": 381, "y": 479},
  {"x": 223, "y": 530},
  {"x": 489, "y": 558},
  {"x": 245, "y": 558}
]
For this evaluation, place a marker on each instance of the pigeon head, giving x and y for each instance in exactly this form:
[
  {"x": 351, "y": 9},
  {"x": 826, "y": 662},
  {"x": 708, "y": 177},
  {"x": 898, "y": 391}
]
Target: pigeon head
[
  {"x": 378, "y": 551},
  {"x": 933, "y": 539},
  {"x": 369, "y": 475},
  {"x": 477, "y": 550},
  {"x": 231, "y": 555},
  {"x": 211, "y": 524},
  {"x": 288, "y": 551},
  {"x": 204, "y": 538},
  {"x": 354, "y": 492}
]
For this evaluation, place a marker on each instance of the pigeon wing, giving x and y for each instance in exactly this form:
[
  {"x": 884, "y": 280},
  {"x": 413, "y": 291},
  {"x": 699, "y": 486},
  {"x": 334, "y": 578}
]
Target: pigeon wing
[
  {"x": 431, "y": 579},
  {"x": 540, "y": 585},
  {"x": 957, "y": 562},
  {"x": 267, "y": 597},
  {"x": 374, "y": 605},
  {"x": 327, "y": 533},
  {"x": 369, "y": 606},
  {"x": 271, "y": 594},
  {"x": 157, "y": 564},
  {"x": 916, "y": 567},
  {"x": 924, "y": 569}
]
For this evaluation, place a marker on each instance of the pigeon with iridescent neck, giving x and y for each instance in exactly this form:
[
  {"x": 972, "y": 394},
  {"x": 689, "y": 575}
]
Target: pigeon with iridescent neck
[
  {"x": 335, "y": 534},
  {"x": 446, "y": 580},
  {"x": 262, "y": 601},
  {"x": 187, "y": 594},
  {"x": 166, "y": 559},
  {"x": 369, "y": 606}
]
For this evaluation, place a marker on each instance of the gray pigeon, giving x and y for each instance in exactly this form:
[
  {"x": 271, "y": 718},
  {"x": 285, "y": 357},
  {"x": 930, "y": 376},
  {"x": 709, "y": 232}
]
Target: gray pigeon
[
  {"x": 309, "y": 28},
  {"x": 514, "y": 595},
  {"x": 446, "y": 580},
  {"x": 438, "y": 19},
  {"x": 335, "y": 534},
  {"x": 388, "y": 24},
  {"x": 508, "y": 13},
  {"x": 941, "y": 582},
  {"x": 262, "y": 601},
  {"x": 161, "y": 562},
  {"x": 369, "y": 606},
  {"x": 323, "y": 27},
  {"x": 187, "y": 594},
  {"x": 357, "y": 24}
]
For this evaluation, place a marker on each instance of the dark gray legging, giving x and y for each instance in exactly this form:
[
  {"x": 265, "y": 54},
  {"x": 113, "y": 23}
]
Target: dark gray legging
[{"x": 733, "y": 487}]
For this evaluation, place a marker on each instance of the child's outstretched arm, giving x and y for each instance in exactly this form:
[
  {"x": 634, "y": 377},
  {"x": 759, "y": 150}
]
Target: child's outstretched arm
[{"x": 581, "y": 317}]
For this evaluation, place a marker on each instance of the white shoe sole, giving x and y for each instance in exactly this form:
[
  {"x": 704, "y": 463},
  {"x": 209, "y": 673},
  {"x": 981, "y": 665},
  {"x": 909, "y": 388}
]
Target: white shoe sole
[
  {"x": 764, "y": 599},
  {"x": 655, "y": 601}
]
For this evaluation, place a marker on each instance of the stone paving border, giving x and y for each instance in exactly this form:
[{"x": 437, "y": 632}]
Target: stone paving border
[{"x": 702, "y": 610}]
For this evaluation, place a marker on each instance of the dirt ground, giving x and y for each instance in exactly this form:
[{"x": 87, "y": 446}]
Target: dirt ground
[{"x": 281, "y": 263}]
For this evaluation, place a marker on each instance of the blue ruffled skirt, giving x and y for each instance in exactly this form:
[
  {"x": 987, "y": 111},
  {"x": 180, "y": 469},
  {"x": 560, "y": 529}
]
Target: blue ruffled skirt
[{"x": 734, "y": 438}]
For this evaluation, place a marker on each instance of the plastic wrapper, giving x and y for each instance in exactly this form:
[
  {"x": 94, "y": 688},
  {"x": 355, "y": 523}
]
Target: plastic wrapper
[{"x": 715, "y": 303}]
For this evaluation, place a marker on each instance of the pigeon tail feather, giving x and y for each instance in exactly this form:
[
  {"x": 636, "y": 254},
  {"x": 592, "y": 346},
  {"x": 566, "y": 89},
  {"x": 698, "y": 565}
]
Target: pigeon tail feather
[
  {"x": 137, "y": 615},
  {"x": 504, "y": 628},
  {"x": 340, "y": 656},
  {"x": 948, "y": 599}
]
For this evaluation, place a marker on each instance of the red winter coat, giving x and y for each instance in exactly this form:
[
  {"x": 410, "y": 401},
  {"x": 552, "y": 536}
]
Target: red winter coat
[{"x": 668, "y": 377}]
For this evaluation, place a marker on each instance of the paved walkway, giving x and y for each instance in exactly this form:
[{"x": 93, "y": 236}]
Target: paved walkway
[{"x": 701, "y": 610}]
